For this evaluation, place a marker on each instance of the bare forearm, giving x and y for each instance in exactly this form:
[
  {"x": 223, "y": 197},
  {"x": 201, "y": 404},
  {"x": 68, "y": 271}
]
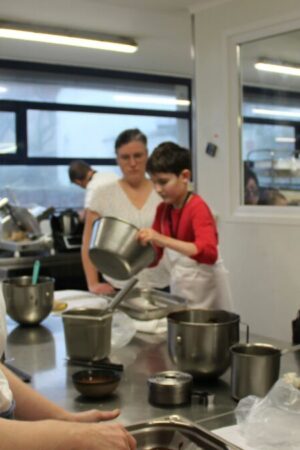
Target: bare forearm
[
  {"x": 30, "y": 405},
  {"x": 160, "y": 240},
  {"x": 90, "y": 271},
  {"x": 44, "y": 435}
]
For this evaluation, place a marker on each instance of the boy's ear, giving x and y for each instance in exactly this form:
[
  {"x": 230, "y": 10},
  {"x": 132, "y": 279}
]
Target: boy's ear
[{"x": 186, "y": 175}]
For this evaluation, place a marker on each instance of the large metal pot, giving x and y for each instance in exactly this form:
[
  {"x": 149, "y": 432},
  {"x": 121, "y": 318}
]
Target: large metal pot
[
  {"x": 115, "y": 250},
  {"x": 199, "y": 340},
  {"x": 26, "y": 303}
]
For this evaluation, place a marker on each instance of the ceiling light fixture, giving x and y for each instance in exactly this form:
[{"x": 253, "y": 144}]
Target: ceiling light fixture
[
  {"x": 276, "y": 112},
  {"x": 276, "y": 67},
  {"x": 83, "y": 39},
  {"x": 157, "y": 100},
  {"x": 283, "y": 139}
]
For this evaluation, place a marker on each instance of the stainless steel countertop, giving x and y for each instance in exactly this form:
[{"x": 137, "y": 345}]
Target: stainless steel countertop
[{"x": 40, "y": 351}]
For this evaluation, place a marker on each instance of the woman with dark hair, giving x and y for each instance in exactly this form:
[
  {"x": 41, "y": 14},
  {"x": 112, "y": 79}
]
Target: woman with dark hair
[
  {"x": 251, "y": 190},
  {"x": 131, "y": 198}
]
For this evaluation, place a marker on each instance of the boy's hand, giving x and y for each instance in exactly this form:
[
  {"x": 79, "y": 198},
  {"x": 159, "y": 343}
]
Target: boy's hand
[{"x": 146, "y": 235}]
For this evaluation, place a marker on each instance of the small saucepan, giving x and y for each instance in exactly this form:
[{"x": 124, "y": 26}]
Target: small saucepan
[{"x": 255, "y": 368}]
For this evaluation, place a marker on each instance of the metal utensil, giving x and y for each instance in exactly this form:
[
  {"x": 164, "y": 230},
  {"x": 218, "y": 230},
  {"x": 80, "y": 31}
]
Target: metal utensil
[
  {"x": 199, "y": 340},
  {"x": 97, "y": 364},
  {"x": 36, "y": 272},
  {"x": 255, "y": 368},
  {"x": 25, "y": 303},
  {"x": 103, "y": 312},
  {"x": 24, "y": 376},
  {"x": 115, "y": 249}
]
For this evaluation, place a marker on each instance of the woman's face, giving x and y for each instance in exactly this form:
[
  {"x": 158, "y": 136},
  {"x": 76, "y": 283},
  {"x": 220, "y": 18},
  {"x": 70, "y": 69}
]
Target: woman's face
[
  {"x": 251, "y": 192},
  {"x": 132, "y": 159}
]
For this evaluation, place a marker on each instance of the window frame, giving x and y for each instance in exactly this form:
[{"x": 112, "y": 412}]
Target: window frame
[{"x": 20, "y": 108}]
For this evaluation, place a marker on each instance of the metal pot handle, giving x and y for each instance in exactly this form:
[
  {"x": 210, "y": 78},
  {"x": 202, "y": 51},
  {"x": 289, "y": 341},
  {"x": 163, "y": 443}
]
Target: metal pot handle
[{"x": 247, "y": 331}]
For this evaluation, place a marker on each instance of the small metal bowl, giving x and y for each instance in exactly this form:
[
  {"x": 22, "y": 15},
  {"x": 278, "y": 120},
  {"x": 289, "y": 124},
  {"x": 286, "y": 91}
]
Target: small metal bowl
[{"x": 96, "y": 383}]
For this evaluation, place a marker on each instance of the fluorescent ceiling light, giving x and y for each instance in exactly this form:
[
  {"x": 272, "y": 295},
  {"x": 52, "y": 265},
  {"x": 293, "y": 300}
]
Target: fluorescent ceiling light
[
  {"x": 286, "y": 69},
  {"x": 73, "y": 38},
  {"x": 276, "y": 112},
  {"x": 157, "y": 100},
  {"x": 3, "y": 89},
  {"x": 285, "y": 139}
]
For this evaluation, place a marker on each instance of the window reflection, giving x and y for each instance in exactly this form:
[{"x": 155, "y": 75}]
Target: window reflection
[{"x": 270, "y": 123}]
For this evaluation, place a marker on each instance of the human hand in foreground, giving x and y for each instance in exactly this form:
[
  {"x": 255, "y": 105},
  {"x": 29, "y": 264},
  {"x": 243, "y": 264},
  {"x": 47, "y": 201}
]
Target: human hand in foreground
[
  {"x": 103, "y": 436},
  {"x": 92, "y": 415},
  {"x": 146, "y": 235},
  {"x": 101, "y": 288}
]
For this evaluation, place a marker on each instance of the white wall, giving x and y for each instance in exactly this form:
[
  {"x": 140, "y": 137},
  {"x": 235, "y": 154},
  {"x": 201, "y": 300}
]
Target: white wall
[{"x": 262, "y": 253}]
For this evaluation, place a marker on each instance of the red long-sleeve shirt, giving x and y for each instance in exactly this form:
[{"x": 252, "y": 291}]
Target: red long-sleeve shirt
[{"x": 194, "y": 223}]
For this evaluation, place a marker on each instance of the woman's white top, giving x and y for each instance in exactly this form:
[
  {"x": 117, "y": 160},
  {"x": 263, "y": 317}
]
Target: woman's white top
[
  {"x": 111, "y": 200},
  {"x": 5, "y": 392}
]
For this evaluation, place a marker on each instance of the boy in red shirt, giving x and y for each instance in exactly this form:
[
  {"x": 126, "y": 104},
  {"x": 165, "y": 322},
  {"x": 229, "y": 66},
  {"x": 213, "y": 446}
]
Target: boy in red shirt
[{"x": 184, "y": 230}]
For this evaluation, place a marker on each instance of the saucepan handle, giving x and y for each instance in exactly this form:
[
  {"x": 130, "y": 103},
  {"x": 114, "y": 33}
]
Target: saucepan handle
[
  {"x": 293, "y": 348},
  {"x": 247, "y": 331}
]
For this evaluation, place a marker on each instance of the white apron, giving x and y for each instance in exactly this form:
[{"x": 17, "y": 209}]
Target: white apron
[{"x": 202, "y": 285}]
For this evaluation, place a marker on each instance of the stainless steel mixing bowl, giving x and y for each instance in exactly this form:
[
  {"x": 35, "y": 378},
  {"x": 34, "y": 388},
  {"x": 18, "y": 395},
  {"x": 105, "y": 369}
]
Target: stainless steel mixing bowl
[
  {"x": 26, "y": 303},
  {"x": 115, "y": 249}
]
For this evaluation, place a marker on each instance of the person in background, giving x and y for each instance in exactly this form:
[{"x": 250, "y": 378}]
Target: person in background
[
  {"x": 255, "y": 195},
  {"x": 251, "y": 187},
  {"x": 131, "y": 198},
  {"x": 184, "y": 230},
  {"x": 82, "y": 174},
  {"x": 41, "y": 424}
]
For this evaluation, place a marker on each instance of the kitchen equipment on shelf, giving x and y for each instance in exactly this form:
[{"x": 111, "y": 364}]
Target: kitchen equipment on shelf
[
  {"x": 199, "y": 340},
  {"x": 96, "y": 383},
  {"x": 115, "y": 250},
  {"x": 255, "y": 368},
  {"x": 170, "y": 388},
  {"x": 20, "y": 230},
  {"x": 26, "y": 303},
  {"x": 67, "y": 229},
  {"x": 174, "y": 433},
  {"x": 88, "y": 331},
  {"x": 149, "y": 304}
]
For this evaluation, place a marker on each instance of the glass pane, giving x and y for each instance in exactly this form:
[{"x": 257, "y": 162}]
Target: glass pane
[
  {"x": 92, "y": 135},
  {"x": 8, "y": 141},
  {"x": 270, "y": 112},
  {"x": 43, "y": 185},
  {"x": 88, "y": 90}
]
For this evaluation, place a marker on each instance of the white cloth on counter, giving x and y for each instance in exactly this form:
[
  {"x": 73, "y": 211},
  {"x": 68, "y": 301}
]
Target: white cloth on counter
[
  {"x": 79, "y": 299},
  {"x": 155, "y": 326}
]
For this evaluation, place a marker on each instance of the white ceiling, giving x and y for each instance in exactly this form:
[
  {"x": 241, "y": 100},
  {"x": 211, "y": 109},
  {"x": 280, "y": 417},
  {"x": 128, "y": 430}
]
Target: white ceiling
[{"x": 162, "y": 29}]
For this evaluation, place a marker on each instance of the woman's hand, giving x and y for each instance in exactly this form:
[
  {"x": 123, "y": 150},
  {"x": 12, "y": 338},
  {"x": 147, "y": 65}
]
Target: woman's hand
[
  {"x": 101, "y": 288},
  {"x": 92, "y": 415},
  {"x": 103, "y": 437},
  {"x": 146, "y": 235}
]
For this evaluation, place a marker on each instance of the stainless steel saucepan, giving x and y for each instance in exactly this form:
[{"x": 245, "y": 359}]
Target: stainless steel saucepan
[
  {"x": 255, "y": 368},
  {"x": 115, "y": 250}
]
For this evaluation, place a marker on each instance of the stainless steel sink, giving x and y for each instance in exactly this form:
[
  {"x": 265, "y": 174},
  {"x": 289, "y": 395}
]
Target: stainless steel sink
[{"x": 176, "y": 433}]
